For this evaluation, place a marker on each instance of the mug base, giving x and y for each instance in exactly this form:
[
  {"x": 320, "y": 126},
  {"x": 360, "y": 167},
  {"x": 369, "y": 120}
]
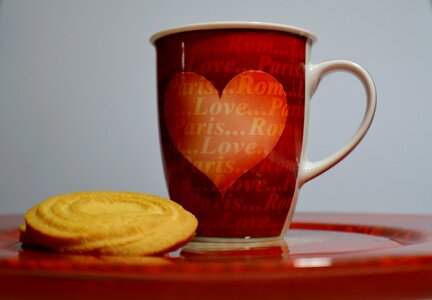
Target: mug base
[{"x": 213, "y": 245}]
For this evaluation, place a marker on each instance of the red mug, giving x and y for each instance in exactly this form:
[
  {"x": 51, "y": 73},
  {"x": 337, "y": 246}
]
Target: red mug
[{"x": 233, "y": 102}]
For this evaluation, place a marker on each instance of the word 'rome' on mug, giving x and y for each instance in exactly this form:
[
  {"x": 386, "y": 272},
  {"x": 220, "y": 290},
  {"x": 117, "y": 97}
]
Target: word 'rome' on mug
[{"x": 233, "y": 112}]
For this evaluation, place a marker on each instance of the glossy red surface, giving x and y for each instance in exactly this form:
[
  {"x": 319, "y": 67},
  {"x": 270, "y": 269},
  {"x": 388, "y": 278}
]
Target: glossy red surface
[{"x": 325, "y": 256}]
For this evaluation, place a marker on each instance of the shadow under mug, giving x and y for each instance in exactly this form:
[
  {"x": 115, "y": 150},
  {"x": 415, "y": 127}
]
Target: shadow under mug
[{"x": 233, "y": 102}]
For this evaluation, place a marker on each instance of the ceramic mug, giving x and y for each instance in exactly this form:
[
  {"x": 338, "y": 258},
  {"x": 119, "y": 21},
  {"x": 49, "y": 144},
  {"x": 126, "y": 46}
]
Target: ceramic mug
[{"x": 233, "y": 102}]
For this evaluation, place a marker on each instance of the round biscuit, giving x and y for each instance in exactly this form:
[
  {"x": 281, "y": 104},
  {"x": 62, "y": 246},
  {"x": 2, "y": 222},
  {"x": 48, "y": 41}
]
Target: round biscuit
[{"x": 108, "y": 223}]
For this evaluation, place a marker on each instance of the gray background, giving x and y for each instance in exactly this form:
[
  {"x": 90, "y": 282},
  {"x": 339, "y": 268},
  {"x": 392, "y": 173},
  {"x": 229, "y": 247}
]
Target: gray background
[{"x": 78, "y": 97}]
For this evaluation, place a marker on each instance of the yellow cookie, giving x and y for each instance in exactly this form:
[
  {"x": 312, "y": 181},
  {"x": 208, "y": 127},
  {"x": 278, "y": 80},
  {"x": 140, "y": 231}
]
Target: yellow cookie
[{"x": 108, "y": 223}]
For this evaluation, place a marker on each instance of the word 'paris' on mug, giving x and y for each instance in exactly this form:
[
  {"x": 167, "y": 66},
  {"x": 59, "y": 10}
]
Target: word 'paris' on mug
[{"x": 233, "y": 102}]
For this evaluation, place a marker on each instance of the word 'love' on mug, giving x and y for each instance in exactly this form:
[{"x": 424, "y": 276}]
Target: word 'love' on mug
[{"x": 233, "y": 110}]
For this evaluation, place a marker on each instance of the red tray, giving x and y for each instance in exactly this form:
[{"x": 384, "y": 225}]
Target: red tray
[{"x": 326, "y": 256}]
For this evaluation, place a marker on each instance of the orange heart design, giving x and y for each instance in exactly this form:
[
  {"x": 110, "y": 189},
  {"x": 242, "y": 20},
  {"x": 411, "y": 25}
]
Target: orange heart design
[{"x": 225, "y": 136}]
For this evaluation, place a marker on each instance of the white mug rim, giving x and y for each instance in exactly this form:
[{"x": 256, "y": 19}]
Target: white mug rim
[{"x": 234, "y": 25}]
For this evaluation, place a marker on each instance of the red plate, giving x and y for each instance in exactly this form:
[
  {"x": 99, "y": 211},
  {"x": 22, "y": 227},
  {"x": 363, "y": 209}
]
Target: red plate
[{"x": 340, "y": 256}]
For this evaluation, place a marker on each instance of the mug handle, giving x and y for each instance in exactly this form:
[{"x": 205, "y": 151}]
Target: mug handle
[{"x": 308, "y": 169}]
